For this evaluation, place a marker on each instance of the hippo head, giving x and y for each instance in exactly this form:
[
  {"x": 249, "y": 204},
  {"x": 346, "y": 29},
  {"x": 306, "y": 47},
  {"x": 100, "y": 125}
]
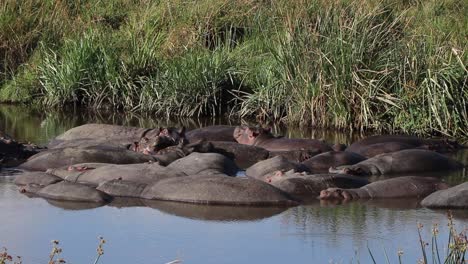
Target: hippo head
[
  {"x": 172, "y": 133},
  {"x": 335, "y": 194},
  {"x": 158, "y": 139},
  {"x": 248, "y": 135}
]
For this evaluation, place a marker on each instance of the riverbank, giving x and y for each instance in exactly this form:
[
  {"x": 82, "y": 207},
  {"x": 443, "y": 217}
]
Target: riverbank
[{"x": 389, "y": 66}]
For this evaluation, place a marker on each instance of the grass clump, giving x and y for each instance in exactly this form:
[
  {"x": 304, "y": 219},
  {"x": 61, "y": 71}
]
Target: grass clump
[{"x": 389, "y": 65}]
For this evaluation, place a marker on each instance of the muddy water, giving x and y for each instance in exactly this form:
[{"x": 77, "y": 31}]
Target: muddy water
[{"x": 158, "y": 232}]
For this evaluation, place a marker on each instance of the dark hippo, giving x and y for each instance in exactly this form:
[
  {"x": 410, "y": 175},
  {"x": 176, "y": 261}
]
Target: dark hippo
[
  {"x": 13, "y": 153},
  {"x": 304, "y": 186},
  {"x": 56, "y": 158},
  {"x": 404, "y": 161},
  {"x": 243, "y": 155},
  {"x": 68, "y": 191},
  {"x": 372, "y": 150},
  {"x": 400, "y": 187},
  {"x": 211, "y": 133},
  {"x": 452, "y": 198},
  {"x": 170, "y": 154},
  {"x": 197, "y": 163},
  {"x": 216, "y": 189},
  {"x": 147, "y": 173},
  {"x": 440, "y": 145},
  {"x": 323, "y": 161},
  {"x": 261, "y": 137},
  {"x": 263, "y": 169}
]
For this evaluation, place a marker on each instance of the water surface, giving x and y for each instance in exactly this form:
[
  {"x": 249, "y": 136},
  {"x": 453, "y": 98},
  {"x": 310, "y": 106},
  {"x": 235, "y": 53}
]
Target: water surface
[{"x": 158, "y": 232}]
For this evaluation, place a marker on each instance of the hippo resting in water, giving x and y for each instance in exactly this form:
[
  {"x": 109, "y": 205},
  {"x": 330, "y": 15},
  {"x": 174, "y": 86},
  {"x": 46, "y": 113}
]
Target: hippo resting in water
[
  {"x": 103, "y": 134},
  {"x": 400, "y": 187},
  {"x": 375, "y": 145},
  {"x": 56, "y": 158},
  {"x": 455, "y": 198},
  {"x": 303, "y": 186},
  {"x": 323, "y": 162},
  {"x": 13, "y": 153},
  {"x": 261, "y": 137},
  {"x": 404, "y": 161},
  {"x": 211, "y": 133}
]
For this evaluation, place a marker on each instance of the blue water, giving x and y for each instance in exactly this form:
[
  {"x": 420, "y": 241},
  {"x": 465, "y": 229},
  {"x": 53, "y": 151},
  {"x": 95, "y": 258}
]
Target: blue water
[{"x": 159, "y": 232}]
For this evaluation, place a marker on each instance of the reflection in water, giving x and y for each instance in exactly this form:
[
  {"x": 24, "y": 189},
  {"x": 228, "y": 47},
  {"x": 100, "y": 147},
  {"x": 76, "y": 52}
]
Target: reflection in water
[
  {"x": 214, "y": 212},
  {"x": 138, "y": 230}
]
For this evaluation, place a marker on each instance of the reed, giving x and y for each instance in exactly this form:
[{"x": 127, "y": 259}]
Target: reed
[{"x": 388, "y": 65}]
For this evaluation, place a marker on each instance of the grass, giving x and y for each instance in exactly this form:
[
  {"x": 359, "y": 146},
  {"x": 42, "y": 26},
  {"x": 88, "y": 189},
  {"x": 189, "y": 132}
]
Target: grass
[{"x": 388, "y": 65}]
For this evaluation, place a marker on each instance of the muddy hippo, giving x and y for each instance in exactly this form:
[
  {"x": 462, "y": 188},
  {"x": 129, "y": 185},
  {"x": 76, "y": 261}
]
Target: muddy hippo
[
  {"x": 265, "y": 168},
  {"x": 404, "y": 161},
  {"x": 304, "y": 186},
  {"x": 211, "y": 133},
  {"x": 323, "y": 161},
  {"x": 400, "y": 187},
  {"x": 399, "y": 142},
  {"x": 68, "y": 191},
  {"x": 56, "y": 158},
  {"x": 261, "y": 137},
  {"x": 36, "y": 177},
  {"x": 455, "y": 198},
  {"x": 216, "y": 189}
]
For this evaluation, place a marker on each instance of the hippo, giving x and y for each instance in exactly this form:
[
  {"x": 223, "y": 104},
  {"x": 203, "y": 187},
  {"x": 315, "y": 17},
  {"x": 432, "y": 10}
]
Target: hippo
[
  {"x": 211, "y": 133},
  {"x": 262, "y": 137},
  {"x": 404, "y": 161},
  {"x": 296, "y": 155},
  {"x": 122, "y": 188},
  {"x": 168, "y": 155},
  {"x": 400, "y": 187},
  {"x": 217, "y": 190},
  {"x": 36, "y": 177},
  {"x": 453, "y": 198},
  {"x": 146, "y": 173},
  {"x": 303, "y": 186},
  {"x": 403, "y": 141},
  {"x": 197, "y": 163},
  {"x": 102, "y": 134},
  {"x": 323, "y": 161},
  {"x": 13, "y": 153},
  {"x": 243, "y": 155},
  {"x": 56, "y": 158},
  {"x": 265, "y": 168},
  {"x": 372, "y": 150},
  {"x": 68, "y": 191}
]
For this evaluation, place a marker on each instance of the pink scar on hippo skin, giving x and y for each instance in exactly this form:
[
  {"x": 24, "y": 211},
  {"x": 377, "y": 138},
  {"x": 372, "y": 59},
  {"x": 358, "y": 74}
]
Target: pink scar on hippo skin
[{"x": 78, "y": 168}]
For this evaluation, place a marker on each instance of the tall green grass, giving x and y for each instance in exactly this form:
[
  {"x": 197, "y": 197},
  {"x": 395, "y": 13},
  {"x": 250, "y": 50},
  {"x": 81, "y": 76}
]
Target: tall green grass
[{"x": 389, "y": 65}]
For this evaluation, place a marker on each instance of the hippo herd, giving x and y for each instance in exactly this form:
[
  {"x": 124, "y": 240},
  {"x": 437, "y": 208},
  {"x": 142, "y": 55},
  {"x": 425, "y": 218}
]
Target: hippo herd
[{"x": 97, "y": 163}]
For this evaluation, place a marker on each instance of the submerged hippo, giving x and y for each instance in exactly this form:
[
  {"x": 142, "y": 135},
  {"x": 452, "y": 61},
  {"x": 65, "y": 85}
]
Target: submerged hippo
[
  {"x": 211, "y": 133},
  {"x": 261, "y": 137},
  {"x": 389, "y": 143},
  {"x": 454, "y": 198},
  {"x": 400, "y": 187},
  {"x": 323, "y": 161},
  {"x": 404, "y": 161}
]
